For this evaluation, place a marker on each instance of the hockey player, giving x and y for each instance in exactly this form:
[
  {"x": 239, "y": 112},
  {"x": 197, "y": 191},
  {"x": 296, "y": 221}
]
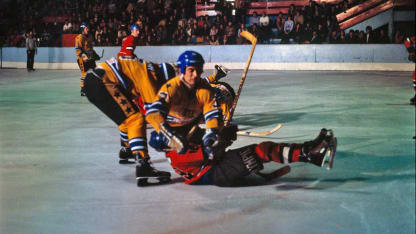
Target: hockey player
[
  {"x": 86, "y": 56},
  {"x": 129, "y": 43},
  {"x": 112, "y": 87},
  {"x": 182, "y": 101},
  {"x": 165, "y": 72},
  {"x": 229, "y": 168},
  {"x": 203, "y": 159},
  {"x": 410, "y": 44}
]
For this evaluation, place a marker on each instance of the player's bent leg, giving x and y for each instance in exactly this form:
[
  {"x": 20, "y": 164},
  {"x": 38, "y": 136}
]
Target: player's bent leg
[{"x": 125, "y": 154}]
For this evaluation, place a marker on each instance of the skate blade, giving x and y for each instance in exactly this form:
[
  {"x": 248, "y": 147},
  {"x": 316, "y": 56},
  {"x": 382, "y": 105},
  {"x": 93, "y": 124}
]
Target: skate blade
[
  {"x": 146, "y": 181},
  {"x": 329, "y": 160},
  {"x": 125, "y": 161}
]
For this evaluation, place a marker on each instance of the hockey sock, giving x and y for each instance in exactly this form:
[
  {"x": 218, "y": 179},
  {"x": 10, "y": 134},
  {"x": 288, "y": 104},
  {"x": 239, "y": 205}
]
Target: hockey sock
[
  {"x": 81, "y": 84},
  {"x": 124, "y": 141},
  {"x": 141, "y": 155},
  {"x": 138, "y": 144},
  {"x": 279, "y": 152}
]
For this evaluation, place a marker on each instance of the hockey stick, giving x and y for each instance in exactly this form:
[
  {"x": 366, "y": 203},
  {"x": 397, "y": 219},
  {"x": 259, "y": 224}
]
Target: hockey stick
[
  {"x": 265, "y": 133},
  {"x": 102, "y": 54},
  {"x": 253, "y": 41}
]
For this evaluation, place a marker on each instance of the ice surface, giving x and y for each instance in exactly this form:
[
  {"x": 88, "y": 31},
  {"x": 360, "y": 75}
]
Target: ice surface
[{"x": 59, "y": 170}]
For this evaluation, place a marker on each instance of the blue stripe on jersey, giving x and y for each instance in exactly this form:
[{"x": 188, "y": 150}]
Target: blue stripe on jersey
[
  {"x": 127, "y": 57},
  {"x": 137, "y": 144},
  {"x": 114, "y": 68},
  {"x": 147, "y": 105},
  {"x": 211, "y": 115},
  {"x": 156, "y": 106},
  {"x": 123, "y": 136},
  {"x": 170, "y": 118}
]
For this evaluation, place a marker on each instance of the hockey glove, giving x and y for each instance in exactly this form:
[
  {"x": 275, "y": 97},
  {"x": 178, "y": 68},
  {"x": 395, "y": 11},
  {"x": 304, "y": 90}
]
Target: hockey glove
[
  {"x": 210, "y": 143},
  {"x": 220, "y": 72},
  {"x": 229, "y": 134},
  {"x": 173, "y": 141},
  {"x": 158, "y": 141},
  {"x": 84, "y": 57}
]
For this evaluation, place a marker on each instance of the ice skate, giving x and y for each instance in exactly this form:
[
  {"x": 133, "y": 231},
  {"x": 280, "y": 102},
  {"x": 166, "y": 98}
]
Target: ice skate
[
  {"x": 320, "y": 151},
  {"x": 220, "y": 72},
  {"x": 412, "y": 101},
  {"x": 83, "y": 92},
  {"x": 147, "y": 175},
  {"x": 125, "y": 154}
]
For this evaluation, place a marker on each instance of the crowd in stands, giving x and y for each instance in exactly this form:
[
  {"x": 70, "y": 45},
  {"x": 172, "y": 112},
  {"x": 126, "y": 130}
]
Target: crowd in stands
[{"x": 173, "y": 22}]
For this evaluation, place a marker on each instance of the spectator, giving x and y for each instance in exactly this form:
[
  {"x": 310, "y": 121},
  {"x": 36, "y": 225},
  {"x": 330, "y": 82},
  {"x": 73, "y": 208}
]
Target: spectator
[
  {"x": 191, "y": 33},
  {"x": 322, "y": 33},
  {"x": 309, "y": 11},
  {"x": 280, "y": 22},
  {"x": 31, "y": 50},
  {"x": 398, "y": 37},
  {"x": 213, "y": 40},
  {"x": 205, "y": 32},
  {"x": 221, "y": 32},
  {"x": 287, "y": 30},
  {"x": 240, "y": 40},
  {"x": 333, "y": 38},
  {"x": 200, "y": 22},
  {"x": 361, "y": 37},
  {"x": 254, "y": 20},
  {"x": 98, "y": 41},
  {"x": 383, "y": 38},
  {"x": 230, "y": 32},
  {"x": 254, "y": 30},
  {"x": 369, "y": 36},
  {"x": 298, "y": 18},
  {"x": 297, "y": 33},
  {"x": 292, "y": 10},
  {"x": 264, "y": 22},
  {"x": 342, "y": 38},
  {"x": 240, "y": 11},
  {"x": 315, "y": 39},
  {"x": 98, "y": 32},
  {"x": 107, "y": 42},
  {"x": 67, "y": 28},
  {"x": 307, "y": 33},
  {"x": 213, "y": 31},
  {"x": 350, "y": 38}
]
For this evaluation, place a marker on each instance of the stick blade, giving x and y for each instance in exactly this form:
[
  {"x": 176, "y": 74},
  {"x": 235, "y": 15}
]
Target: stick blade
[
  {"x": 261, "y": 134},
  {"x": 247, "y": 35}
]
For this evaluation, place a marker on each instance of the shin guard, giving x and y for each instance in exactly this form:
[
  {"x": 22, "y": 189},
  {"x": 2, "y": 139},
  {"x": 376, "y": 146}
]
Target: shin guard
[{"x": 278, "y": 152}]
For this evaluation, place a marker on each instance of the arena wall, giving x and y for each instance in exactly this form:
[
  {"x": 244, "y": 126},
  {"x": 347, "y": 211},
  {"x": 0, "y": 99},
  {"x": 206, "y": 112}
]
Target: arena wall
[{"x": 383, "y": 57}]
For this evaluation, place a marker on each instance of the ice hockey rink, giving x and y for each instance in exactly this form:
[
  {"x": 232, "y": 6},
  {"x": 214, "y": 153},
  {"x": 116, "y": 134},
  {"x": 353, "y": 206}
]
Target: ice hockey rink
[{"x": 59, "y": 170}]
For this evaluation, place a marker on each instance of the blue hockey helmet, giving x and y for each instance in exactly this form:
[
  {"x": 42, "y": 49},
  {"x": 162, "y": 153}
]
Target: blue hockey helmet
[
  {"x": 168, "y": 70},
  {"x": 190, "y": 58},
  {"x": 134, "y": 26},
  {"x": 84, "y": 25}
]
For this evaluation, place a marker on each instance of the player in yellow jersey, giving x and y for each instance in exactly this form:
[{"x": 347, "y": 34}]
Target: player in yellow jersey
[
  {"x": 112, "y": 87},
  {"x": 86, "y": 56},
  {"x": 181, "y": 102}
]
